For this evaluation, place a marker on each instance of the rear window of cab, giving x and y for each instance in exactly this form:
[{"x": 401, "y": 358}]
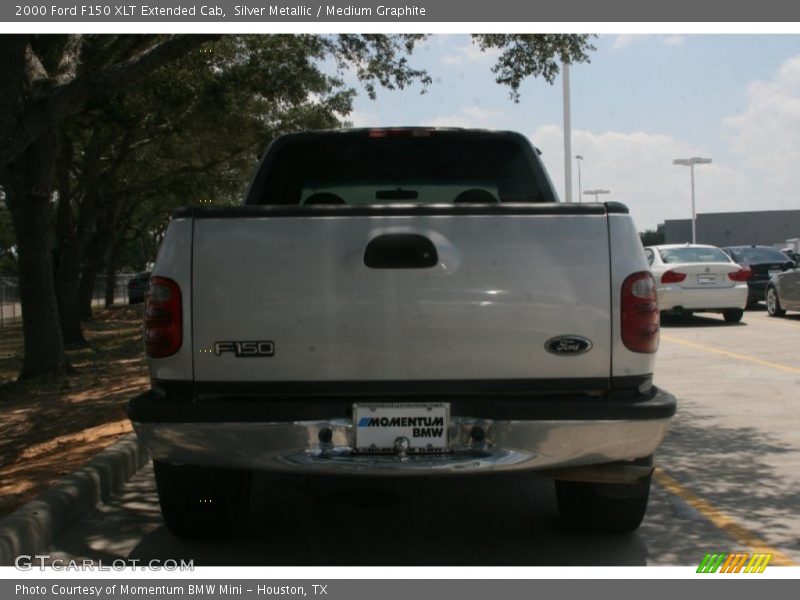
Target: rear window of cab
[{"x": 414, "y": 166}]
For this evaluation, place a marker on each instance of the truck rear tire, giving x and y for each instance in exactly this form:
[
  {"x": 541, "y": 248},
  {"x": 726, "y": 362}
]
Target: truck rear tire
[
  {"x": 202, "y": 502},
  {"x": 602, "y": 507}
]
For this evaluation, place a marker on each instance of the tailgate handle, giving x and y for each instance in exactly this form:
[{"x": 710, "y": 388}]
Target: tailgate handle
[{"x": 401, "y": 251}]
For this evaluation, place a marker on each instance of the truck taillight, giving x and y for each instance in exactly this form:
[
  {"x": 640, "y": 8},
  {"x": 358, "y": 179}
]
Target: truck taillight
[
  {"x": 640, "y": 316},
  {"x": 742, "y": 274},
  {"x": 672, "y": 277},
  {"x": 163, "y": 318}
]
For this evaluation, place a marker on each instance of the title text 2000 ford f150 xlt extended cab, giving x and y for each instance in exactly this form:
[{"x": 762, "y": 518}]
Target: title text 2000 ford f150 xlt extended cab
[{"x": 402, "y": 302}]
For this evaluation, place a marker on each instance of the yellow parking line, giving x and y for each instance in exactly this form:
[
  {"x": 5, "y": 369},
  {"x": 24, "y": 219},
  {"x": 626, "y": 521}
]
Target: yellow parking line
[
  {"x": 735, "y": 355},
  {"x": 722, "y": 521}
]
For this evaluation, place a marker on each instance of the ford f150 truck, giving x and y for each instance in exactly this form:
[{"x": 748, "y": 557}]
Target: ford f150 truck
[{"x": 401, "y": 302}]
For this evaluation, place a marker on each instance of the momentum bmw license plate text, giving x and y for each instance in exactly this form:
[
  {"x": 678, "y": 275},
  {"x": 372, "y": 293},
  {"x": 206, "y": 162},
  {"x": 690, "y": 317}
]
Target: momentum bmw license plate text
[{"x": 379, "y": 428}]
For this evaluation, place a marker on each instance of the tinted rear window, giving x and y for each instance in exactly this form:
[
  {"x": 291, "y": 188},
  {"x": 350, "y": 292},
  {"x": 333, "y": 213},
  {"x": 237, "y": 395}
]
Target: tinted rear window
[
  {"x": 759, "y": 255},
  {"x": 443, "y": 167},
  {"x": 692, "y": 255}
]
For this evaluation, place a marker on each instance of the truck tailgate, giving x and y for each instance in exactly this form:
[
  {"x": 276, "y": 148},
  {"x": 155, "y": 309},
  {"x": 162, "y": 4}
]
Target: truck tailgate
[{"x": 502, "y": 284}]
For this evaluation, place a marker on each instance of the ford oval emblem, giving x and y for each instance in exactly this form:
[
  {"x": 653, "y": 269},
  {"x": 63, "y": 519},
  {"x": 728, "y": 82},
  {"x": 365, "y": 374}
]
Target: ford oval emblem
[{"x": 568, "y": 345}]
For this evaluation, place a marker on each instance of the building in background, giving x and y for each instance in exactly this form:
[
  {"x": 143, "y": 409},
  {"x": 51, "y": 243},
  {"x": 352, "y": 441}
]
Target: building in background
[{"x": 764, "y": 228}]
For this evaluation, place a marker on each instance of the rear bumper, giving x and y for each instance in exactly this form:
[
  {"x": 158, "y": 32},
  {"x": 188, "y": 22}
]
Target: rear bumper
[
  {"x": 625, "y": 429},
  {"x": 700, "y": 299}
]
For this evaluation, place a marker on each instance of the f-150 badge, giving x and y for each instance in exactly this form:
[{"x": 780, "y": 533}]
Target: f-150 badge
[
  {"x": 245, "y": 349},
  {"x": 568, "y": 345}
]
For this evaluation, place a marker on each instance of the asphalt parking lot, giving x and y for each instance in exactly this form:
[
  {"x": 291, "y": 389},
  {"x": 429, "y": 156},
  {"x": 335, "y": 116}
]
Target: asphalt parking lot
[{"x": 728, "y": 479}]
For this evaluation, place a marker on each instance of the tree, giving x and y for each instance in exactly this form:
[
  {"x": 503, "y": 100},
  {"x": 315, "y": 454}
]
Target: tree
[
  {"x": 43, "y": 80},
  {"x": 48, "y": 84},
  {"x": 653, "y": 237},
  {"x": 532, "y": 55}
]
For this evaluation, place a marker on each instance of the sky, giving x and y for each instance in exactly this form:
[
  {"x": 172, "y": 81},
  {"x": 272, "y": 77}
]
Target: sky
[{"x": 642, "y": 101}]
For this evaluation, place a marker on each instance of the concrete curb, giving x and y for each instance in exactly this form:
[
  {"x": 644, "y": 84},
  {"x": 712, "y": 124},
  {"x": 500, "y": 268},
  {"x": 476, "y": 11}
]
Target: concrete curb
[{"x": 32, "y": 528}]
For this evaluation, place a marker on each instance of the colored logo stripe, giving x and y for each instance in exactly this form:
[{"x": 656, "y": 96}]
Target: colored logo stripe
[
  {"x": 711, "y": 562},
  {"x": 733, "y": 563},
  {"x": 758, "y": 563}
]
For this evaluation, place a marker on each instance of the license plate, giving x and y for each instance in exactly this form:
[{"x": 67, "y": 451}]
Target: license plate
[
  {"x": 705, "y": 279},
  {"x": 379, "y": 428},
  {"x": 771, "y": 273}
]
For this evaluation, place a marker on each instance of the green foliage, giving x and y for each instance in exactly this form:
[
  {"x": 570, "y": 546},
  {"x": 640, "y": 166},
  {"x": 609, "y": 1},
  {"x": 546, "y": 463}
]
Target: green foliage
[
  {"x": 652, "y": 237},
  {"x": 377, "y": 59},
  {"x": 192, "y": 132},
  {"x": 533, "y": 55}
]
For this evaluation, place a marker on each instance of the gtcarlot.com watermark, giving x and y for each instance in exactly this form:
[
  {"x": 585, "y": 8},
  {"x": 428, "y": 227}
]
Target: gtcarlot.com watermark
[{"x": 27, "y": 562}]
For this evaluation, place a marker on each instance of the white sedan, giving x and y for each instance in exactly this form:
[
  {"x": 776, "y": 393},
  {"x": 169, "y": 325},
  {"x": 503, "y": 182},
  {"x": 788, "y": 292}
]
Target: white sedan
[{"x": 696, "y": 278}]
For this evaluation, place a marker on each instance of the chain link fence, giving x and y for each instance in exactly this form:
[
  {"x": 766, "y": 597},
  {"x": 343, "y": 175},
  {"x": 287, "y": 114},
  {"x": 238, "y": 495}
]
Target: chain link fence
[{"x": 11, "y": 310}]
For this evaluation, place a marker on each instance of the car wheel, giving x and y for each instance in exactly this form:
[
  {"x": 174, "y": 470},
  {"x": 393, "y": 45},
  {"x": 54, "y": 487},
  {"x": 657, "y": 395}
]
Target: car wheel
[
  {"x": 773, "y": 303},
  {"x": 201, "y": 502},
  {"x": 733, "y": 315},
  {"x": 602, "y": 507}
]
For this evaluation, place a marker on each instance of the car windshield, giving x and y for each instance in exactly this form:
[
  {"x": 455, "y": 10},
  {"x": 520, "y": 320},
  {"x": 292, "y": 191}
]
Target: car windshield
[
  {"x": 760, "y": 255},
  {"x": 692, "y": 255},
  {"x": 440, "y": 167}
]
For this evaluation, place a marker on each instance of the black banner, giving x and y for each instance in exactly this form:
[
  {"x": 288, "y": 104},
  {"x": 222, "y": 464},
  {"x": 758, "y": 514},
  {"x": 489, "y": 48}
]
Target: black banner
[{"x": 404, "y": 11}]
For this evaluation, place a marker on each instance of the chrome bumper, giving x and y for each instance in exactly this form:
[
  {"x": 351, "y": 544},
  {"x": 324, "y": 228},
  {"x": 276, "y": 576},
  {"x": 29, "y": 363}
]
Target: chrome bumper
[{"x": 508, "y": 445}]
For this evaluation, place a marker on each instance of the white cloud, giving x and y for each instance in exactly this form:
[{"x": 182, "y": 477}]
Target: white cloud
[
  {"x": 626, "y": 39},
  {"x": 765, "y": 138},
  {"x": 767, "y": 134},
  {"x": 469, "y": 53},
  {"x": 468, "y": 116},
  {"x": 757, "y": 168},
  {"x": 363, "y": 119},
  {"x": 637, "y": 169},
  {"x": 672, "y": 40}
]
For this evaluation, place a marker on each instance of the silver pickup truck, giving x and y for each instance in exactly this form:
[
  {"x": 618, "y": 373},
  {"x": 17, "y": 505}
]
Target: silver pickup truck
[{"x": 402, "y": 302}]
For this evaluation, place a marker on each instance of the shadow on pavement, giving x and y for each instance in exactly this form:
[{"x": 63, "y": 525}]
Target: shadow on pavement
[
  {"x": 494, "y": 520},
  {"x": 695, "y": 320},
  {"x": 733, "y": 468}
]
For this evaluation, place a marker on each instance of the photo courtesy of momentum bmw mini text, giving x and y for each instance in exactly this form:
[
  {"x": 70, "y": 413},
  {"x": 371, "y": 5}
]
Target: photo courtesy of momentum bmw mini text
[{"x": 374, "y": 300}]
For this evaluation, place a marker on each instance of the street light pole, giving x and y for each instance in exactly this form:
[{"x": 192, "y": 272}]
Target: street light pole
[
  {"x": 694, "y": 212},
  {"x": 579, "y": 158},
  {"x": 567, "y": 136},
  {"x": 596, "y": 193},
  {"x": 691, "y": 162}
]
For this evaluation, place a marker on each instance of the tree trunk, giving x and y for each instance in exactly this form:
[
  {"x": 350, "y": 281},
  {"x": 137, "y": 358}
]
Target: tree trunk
[
  {"x": 99, "y": 255},
  {"x": 69, "y": 308},
  {"x": 111, "y": 277},
  {"x": 69, "y": 243},
  {"x": 31, "y": 207},
  {"x": 86, "y": 290}
]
